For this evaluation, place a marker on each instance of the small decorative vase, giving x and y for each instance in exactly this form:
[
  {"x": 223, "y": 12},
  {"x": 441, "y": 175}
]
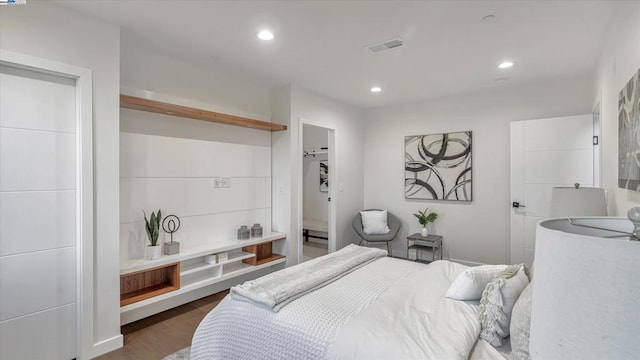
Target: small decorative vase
[
  {"x": 256, "y": 231},
  {"x": 424, "y": 232},
  {"x": 244, "y": 233},
  {"x": 171, "y": 248},
  {"x": 152, "y": 252}
]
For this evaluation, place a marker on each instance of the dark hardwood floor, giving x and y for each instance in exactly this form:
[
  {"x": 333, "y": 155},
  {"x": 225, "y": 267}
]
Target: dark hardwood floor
[{"x": 165, "y": 333}]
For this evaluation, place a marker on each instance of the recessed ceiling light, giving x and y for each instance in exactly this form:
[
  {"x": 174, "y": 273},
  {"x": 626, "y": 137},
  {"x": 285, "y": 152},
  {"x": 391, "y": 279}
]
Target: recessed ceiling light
[
  {"x": 376, "y": 89},
  {"x": 505, "y": 65},
  {"x": 265, "y": 35}
]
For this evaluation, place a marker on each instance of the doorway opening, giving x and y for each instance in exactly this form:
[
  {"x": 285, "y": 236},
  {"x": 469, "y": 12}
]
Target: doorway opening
[{"x": 316, "y": 196}]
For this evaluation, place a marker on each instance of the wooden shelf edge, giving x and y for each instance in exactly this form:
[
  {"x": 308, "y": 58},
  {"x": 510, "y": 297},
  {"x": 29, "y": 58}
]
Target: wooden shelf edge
[
  {"x": 137, "y": 103},
  {"x": 269, "y": 258},
  {"x": 146, "y": 295}
]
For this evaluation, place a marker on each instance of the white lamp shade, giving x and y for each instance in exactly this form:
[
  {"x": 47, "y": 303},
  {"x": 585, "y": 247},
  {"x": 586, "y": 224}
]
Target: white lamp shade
[
  {"x": 569, "y": 201},
  {"x": 586, "y": 297}
]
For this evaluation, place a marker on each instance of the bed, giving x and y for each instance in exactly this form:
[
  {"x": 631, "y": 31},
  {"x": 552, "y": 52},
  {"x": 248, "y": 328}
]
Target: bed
[{"x": 385, "y": 308}]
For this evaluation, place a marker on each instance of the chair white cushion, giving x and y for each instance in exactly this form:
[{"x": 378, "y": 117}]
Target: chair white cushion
[
  {"x": 497, "y": 303},
  {"x": 470, "y": 284},
  {"x": 374, "y": 222}
]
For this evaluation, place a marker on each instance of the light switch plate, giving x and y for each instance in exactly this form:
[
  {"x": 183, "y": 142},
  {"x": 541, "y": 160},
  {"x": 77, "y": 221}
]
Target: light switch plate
[{"x": 225, "y": 182}]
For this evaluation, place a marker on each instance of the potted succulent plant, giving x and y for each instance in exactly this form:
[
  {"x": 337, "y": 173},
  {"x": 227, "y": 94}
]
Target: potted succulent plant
[
  {"x": 152, "y": 225},
  {"x": 424, "y": 218}
]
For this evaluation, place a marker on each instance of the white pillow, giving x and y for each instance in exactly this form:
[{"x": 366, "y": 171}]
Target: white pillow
[
  {"x": 374, "y": 222},
  {"x": 470, "y": 284},
  {"x": 497, "y": 303},
  {"x": 521, "y": 325}
]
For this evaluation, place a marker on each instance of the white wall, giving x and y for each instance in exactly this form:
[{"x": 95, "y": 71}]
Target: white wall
[
  {"x": 281, "y": 176},
  {"x": 170, "y": 163},
  {"x": 225, "y": 91},
  {"x": 476, "y": 231},
  {"x": 620, "y": 59},
  {"x": 177, "y": 176},
  {"x": 314, "y": 204},
  {"x": 290, "y": 104},
  {"x": 48, "y": 31},
  {"x": 149, "y": 74}
]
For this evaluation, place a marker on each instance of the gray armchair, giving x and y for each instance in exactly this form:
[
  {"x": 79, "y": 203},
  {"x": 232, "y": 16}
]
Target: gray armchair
[{"x": 394, "y": 226}]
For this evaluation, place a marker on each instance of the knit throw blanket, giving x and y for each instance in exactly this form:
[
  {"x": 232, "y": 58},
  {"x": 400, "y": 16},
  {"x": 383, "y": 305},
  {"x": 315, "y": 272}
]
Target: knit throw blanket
[{"x": 279, "y": 288}]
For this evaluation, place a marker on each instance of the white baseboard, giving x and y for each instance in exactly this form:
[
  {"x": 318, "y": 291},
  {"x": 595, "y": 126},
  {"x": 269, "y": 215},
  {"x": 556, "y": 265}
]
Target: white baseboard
[{"x": 106, "y": 346}]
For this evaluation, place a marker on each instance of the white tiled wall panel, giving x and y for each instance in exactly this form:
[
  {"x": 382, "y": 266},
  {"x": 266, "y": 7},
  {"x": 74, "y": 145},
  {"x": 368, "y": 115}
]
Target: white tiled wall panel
[
  {"x": 558, "y": 167},
  {"x": 36, "y": 220},
  {"x": 45, "y": 335},
  {"x": 190, "y": 196},
  {"x": 50, "y": 105},
  {"x": 194, "y": 230},
  {"x": 570, "y": 133},
  {"x": 37, "y": 281},
  {"x": 37, "y": 160},
  {"x": 177, "y": 176},
  {"x": 160, "y": 156}
]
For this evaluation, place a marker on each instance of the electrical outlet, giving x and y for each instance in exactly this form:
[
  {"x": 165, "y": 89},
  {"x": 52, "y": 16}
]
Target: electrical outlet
[{"x": 225, "y": 182}]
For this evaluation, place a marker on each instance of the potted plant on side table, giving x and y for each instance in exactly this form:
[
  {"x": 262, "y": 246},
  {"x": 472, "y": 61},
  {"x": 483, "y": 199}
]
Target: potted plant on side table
[
  {"x": 424, "y": 218},
  {"x": 152, "y": 225}
]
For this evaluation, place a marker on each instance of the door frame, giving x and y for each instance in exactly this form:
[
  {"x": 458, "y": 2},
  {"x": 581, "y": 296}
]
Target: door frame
[
  {"x": 84, "y": 185},
  {"x": 333, "y": 178}
]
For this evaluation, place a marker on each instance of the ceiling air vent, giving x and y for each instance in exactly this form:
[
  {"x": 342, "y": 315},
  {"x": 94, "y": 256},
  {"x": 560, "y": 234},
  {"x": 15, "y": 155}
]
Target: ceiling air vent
[{"x": 385, "y": 46}]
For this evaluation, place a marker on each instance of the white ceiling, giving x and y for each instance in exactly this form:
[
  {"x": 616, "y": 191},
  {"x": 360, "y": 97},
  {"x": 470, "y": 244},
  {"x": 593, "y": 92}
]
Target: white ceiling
[{"x": 320, "y": 45}]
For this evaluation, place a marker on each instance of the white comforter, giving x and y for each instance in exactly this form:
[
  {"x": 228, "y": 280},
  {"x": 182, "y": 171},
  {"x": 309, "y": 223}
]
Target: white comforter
[{"x": 388, "y": 309}]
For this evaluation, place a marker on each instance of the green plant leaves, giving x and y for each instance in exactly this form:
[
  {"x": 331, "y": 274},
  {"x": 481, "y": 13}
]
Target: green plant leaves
[{"x": 152, "y": 226}]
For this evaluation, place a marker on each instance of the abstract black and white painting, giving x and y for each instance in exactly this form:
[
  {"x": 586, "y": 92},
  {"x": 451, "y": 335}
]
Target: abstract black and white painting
[
  {"x": 629, "y": 135},
  {"x": 438, "y": 167},
  {"x": 324, "y": 176}
]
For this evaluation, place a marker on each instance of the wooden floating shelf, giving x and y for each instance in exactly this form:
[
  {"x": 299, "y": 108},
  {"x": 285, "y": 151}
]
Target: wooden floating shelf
[
  {"x": 144, "y": 284},
  {"x": 137, "y": 103},
  {"x": 264, "y": 254}
]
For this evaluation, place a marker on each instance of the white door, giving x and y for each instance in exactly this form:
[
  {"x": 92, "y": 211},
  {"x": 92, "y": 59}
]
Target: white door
[
  {"x": 38, "y": 215},
  {"x": 545, "y": 153}
]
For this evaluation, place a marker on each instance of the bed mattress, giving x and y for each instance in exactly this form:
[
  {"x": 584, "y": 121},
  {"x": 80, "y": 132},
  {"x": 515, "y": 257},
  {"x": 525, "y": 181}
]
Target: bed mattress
[{"x": 389, "y": 308}]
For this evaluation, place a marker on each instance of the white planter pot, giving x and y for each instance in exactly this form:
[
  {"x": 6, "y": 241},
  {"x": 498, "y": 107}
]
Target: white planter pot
[
  {"x": 424, "y": 232},
  {"x": 153, "y": 252}
]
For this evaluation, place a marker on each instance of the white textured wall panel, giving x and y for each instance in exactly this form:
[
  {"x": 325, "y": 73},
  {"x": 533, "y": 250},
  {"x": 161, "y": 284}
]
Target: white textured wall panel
[
  {"x": 36, "y": 220},
  {"x": 194, "y": 230},
  {"x": 573, "y": 132},
  {"x": 558, "y": 167},
  {"x": 50, "y": 105},
  {"x": 54, "y": 330},
  {"x": 37, "y": 160},
  {"x": 160, "y": 156},
  {"x": 190, "y": 196},
  {"x": 177, "y": 176},
  {"x": 37, "y": 281}
]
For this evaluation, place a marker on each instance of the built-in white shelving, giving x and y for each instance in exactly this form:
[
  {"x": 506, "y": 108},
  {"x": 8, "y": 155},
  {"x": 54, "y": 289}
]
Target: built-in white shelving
[{"x": 184, "y": 273}]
